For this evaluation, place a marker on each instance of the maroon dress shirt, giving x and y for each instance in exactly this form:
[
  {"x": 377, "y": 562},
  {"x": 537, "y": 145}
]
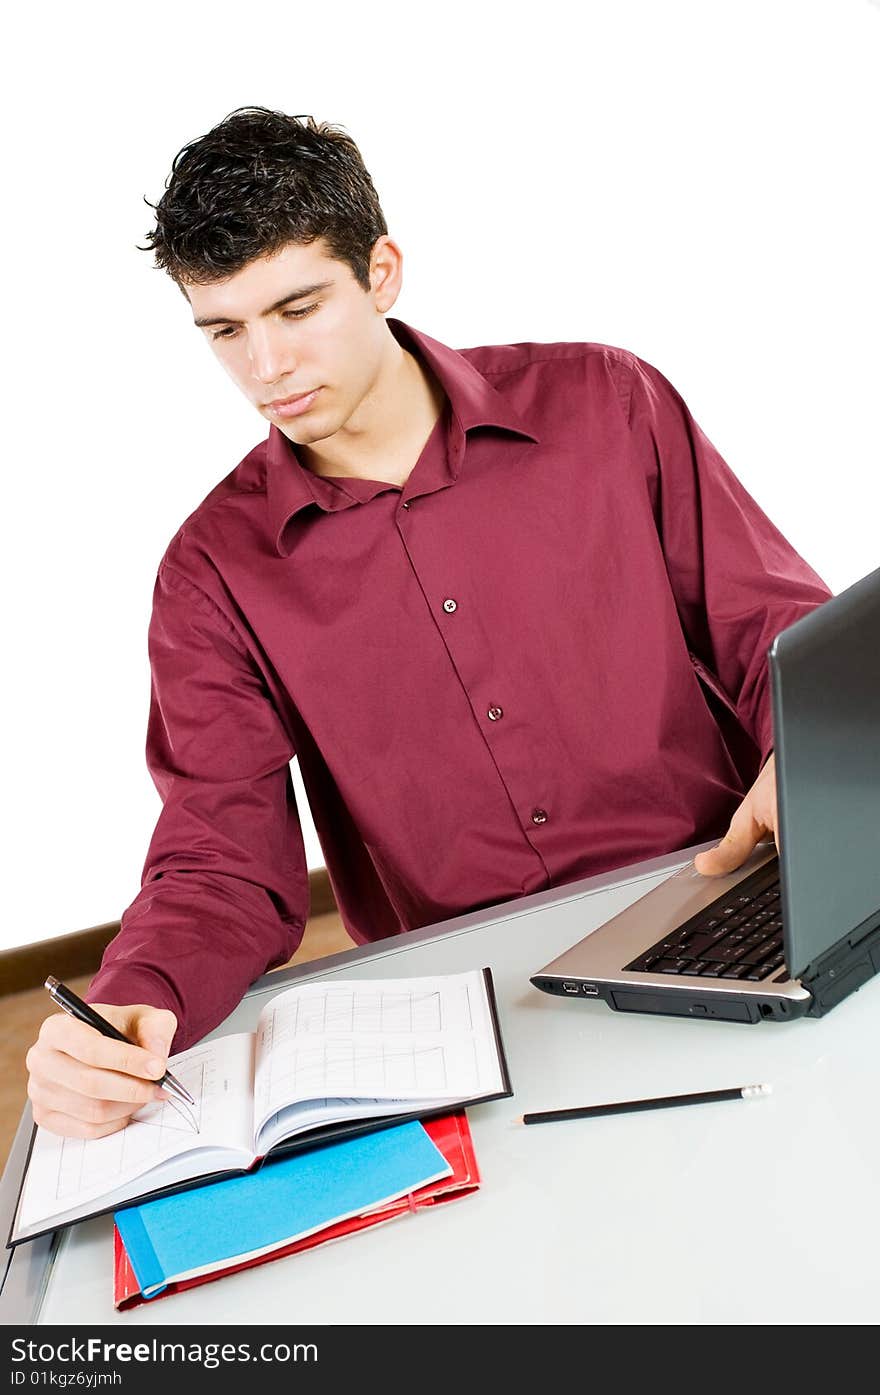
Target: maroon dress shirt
[{"x": 543, "y": 657}]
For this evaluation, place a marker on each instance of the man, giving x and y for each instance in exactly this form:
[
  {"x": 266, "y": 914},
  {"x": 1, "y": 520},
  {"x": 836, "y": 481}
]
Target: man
[{"x": 508, "y": 607}]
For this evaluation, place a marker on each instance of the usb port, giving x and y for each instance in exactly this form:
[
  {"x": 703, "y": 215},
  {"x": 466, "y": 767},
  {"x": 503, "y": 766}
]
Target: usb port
[
  {"x": 570, "y": 988},
  {"x": 591, "y": 990}
]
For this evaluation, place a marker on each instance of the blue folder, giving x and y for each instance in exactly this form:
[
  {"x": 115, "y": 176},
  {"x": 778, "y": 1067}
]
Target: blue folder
[{"x": 282, "y": 1200}]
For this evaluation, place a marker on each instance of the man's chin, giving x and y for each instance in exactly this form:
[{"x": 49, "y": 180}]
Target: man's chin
[{"x": 301, "y": 435}]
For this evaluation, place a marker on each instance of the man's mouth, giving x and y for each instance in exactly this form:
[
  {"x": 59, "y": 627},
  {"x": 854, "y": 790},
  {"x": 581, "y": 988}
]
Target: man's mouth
[{"x": 291, "y": 406}]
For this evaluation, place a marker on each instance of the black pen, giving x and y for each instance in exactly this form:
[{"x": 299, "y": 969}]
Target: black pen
[
  {"x": 742, "y": 1092},
  {"x": 83, "y": 1013}
]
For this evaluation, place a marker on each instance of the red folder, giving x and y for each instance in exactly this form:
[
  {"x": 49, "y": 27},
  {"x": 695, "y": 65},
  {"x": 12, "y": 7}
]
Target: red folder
[{"x": 451, "y": 1134}]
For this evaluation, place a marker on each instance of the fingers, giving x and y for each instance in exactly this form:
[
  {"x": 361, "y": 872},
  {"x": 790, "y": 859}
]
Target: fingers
[
  {"x": 81, "y": 1101},
  {"x": 75, "y": 1116},
  {"x": 154, "y": 1030},
  {"x": 84, "y": 1085},
  {"x": 753, "y": 820},
  {"x": 742, "y": 837},
  {"x": 64, "y": 1034},
  {"x": 80, "y": 1116},
  {"x": 76, "y": 1077},
  {"x": 72, "y": 1128}
]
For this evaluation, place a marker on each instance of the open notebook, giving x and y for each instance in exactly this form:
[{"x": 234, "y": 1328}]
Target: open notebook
[{"x": 328, "y": 1058}]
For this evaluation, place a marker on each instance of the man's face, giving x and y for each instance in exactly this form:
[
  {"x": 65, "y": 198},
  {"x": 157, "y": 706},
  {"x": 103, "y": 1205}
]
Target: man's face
[{"x": 277, "y": 342}]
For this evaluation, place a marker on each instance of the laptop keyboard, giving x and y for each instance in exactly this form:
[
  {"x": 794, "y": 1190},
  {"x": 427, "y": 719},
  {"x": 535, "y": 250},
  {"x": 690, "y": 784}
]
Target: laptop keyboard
[{"x": 737, "y": 937}]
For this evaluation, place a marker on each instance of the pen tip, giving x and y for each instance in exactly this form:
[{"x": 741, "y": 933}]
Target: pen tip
[
  {"x": 751, "y": 1091},
  {"x": 51, "y": 983}
]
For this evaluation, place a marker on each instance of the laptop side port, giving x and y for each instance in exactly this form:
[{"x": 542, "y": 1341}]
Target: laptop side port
[
  {"x": 591, "y": 990},
  {"x": 570, "y": 988}
]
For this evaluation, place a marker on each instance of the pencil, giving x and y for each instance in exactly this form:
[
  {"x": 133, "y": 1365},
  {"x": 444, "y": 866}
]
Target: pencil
[{"x": 589, "y": 1111}]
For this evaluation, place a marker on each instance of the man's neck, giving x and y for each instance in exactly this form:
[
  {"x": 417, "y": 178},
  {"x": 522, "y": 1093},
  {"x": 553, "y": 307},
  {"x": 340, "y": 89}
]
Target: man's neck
[{"x": 406, "y": 412}]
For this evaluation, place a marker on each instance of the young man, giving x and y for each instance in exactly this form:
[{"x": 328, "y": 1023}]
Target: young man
[{"x": 508, "y": 606}]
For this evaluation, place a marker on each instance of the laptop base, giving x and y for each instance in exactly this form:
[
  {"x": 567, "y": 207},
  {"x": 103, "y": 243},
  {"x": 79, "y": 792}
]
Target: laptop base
[{"x": 679, "y": 1002}]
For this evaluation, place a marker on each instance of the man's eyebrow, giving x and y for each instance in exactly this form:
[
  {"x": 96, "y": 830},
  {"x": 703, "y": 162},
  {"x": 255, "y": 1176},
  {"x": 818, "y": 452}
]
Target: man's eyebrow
[{"x": 285, "y": 300}]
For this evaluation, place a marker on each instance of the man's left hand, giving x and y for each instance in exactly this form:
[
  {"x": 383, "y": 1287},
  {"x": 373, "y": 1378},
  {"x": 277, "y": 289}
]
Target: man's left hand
[{"x": 753, "y": 820}]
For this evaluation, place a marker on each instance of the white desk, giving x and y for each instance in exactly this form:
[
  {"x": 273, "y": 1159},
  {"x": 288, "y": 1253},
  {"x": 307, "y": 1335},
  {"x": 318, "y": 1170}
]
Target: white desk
[{"x": 737, "y": 1212}]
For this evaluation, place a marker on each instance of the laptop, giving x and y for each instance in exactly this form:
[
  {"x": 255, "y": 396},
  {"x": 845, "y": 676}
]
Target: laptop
[{"x": 788, "y": 934}]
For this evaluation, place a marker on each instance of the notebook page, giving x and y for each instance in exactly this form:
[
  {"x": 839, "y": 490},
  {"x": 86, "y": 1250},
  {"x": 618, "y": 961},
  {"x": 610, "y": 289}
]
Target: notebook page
[
  {"x": 66, "y": 1174},
  {"x": 352, "y": 1046}
]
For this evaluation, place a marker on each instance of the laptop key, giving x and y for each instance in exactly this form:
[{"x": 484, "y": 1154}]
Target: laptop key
[
  {"x": 700, "y": 944},
  {"x": 644, "y": 964},
  {"x": 758, "y": 954},
  {"x": 726, "y": 953},
  {"x": 756, "y": 938},
  {"x": 735, "y": 940}
]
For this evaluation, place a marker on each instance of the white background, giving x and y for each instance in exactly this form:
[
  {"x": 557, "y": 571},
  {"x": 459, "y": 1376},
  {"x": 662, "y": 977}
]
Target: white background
[{"x": 691, "y": 180}]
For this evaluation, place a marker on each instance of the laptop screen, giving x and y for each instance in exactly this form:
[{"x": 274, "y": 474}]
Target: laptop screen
[{"x": 825, "y": 671}]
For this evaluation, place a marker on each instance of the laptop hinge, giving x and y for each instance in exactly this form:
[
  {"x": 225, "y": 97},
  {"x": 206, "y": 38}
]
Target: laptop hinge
[{"x": 845, "y": 967}]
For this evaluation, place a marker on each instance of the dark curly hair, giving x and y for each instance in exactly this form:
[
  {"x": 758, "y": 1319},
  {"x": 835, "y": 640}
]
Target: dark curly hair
[{"x": 258, "y": 180}]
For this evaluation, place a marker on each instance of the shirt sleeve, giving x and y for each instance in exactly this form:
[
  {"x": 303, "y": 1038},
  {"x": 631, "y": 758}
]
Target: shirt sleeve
[
  {"x": 225, "y": 891},
  {"x": 737, "y": 582}
]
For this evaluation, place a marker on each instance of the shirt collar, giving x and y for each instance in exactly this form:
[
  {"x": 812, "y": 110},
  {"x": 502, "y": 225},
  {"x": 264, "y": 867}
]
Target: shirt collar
[{"x": 473, "y": 401}]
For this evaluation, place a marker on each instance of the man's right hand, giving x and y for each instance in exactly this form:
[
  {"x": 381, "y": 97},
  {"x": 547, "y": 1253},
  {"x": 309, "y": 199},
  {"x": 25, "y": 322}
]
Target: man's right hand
[{"x": 85, "y": 1085}]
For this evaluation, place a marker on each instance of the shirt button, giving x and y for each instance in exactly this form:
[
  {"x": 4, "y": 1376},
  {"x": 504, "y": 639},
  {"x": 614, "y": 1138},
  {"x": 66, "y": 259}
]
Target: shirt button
[
  {"x": 450, "y": 605},
  {"x": 539, "y": 816},
  {"x": 494, "y": 713},
  {"x": 406, "y": 505}
]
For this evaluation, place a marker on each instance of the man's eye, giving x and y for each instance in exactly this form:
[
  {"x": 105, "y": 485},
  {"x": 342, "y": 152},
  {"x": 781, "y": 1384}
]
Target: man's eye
[{"x": 230, "y": 330}]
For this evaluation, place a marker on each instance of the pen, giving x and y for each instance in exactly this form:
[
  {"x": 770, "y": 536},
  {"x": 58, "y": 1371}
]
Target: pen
[
  {"x": 83, "y": 1013},
  {"x": 743, "y": 1092}
]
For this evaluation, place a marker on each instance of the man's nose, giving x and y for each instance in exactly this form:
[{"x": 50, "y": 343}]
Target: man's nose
[{"x": 271, "y": 359}]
